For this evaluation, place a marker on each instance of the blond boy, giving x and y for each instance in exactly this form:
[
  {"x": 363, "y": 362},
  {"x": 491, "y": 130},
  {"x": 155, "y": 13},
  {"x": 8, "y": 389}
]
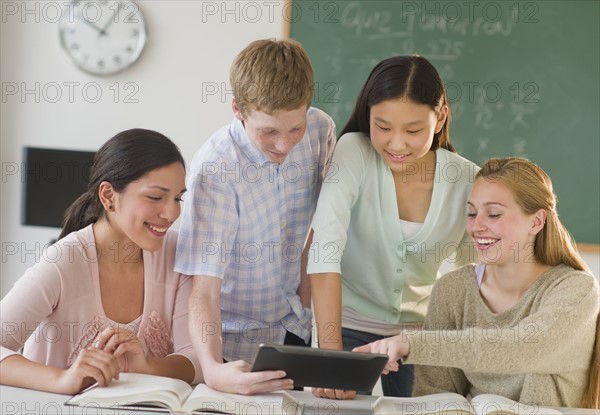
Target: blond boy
[{"x": 253, "y": 189}]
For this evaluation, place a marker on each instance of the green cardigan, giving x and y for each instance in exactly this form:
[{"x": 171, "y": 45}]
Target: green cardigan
[{"x": 357, "y": 231}]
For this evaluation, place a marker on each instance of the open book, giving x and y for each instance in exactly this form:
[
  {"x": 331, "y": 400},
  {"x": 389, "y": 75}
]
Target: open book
[
  {"x": 455, "y": 404},
  {"x": 157, "y": 393}
]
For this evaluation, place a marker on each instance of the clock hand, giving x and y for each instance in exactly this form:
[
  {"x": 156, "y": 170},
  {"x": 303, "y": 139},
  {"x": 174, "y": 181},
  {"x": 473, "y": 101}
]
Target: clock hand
[
  {"x": 96, "y": 28},
  {"x": 107, "y": 25}
]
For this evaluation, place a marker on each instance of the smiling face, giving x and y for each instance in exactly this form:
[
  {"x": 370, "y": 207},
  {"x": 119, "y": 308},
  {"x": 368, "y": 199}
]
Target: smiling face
[
  {"x": 274, "y": 134},
  {"x": 501, "y": 230},
  {"x": 147, "y": 207},
  {"x": 402, "y": 131}
]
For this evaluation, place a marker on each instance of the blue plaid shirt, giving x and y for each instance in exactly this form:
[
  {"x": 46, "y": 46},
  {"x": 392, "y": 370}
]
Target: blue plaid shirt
[{"x": 245, "y": 220}]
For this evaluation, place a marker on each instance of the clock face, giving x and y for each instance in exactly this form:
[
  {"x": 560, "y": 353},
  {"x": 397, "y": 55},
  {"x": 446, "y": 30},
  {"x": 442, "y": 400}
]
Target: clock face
[{"x": 103, "y": 37}]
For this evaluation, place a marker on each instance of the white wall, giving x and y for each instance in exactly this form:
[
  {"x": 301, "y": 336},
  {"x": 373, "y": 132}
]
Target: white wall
[{"x": 188, "y": 49}]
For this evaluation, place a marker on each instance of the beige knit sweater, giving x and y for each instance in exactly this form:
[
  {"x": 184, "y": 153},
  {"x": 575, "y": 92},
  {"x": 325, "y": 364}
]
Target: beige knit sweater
[{"x": 537, "y": 352}]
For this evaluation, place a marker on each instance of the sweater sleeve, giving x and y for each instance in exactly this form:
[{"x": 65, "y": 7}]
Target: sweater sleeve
[
  {"x": 545, "y": 341},
  {"x": 332, "y": 216},
  {"x": 438, "y": 379},
  {"x": 32, "y": 299},
  {"x": 182, "y": 343}
]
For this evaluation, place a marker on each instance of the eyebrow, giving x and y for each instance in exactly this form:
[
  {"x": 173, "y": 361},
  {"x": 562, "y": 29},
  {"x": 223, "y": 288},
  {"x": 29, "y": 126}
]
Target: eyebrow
[
  {"x": 266, "y": 129},
  {"x": 488, "y": 204},
  {"x": 408, "y": 123},
  {"x": 164, "y": 189}
]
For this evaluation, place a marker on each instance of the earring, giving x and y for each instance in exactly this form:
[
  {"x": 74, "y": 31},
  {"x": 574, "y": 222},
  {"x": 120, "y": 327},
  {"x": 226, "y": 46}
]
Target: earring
[{"x": 110, "y": 208}]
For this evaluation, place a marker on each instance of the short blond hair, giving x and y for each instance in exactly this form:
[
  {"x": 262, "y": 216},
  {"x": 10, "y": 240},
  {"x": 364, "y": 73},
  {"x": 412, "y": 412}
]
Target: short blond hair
[{"x": 271, "y": 75}]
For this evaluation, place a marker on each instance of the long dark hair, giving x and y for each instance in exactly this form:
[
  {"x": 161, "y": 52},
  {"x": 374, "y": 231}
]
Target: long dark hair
[
  {"x": 123, "y": 159},
  {"x": 410, "y": 77}
]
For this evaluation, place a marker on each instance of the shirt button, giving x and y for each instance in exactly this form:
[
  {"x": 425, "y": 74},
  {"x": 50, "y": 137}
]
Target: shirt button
[
  {"x": 395, "y": 310},
  {"x": 397, "y": 290},
  {"x": 399, "y": 270}
]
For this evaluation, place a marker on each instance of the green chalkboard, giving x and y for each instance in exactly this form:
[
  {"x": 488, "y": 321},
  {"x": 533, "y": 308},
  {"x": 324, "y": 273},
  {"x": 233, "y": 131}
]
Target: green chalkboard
[{"x": 522, "y": 78}]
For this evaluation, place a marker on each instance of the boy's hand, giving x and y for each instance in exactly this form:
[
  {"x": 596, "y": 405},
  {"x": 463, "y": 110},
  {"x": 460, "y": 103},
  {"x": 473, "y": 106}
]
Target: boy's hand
[{"x": 235, "y": 377}]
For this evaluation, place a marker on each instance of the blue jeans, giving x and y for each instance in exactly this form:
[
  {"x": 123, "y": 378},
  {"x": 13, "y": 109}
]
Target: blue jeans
[{"x": 398, "y": 383}]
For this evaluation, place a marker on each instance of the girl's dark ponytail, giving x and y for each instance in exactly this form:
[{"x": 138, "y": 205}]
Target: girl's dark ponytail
[{"x": 80, "y": 214}]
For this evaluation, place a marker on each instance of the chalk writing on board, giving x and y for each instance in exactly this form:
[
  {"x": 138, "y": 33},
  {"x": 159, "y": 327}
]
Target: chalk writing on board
[
  {"x": 521, "y": 78},
  {"x": 443, "y": 34},
  {"x": 383, "y": 24}
]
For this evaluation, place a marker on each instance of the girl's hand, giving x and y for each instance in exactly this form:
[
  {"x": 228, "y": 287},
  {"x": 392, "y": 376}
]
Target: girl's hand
[
  {"x": 125, "y": 347},
  {"x": 92, "y": 365},
  {"x": 396, "y": 348},
  {"x": 333, "y": 393}
]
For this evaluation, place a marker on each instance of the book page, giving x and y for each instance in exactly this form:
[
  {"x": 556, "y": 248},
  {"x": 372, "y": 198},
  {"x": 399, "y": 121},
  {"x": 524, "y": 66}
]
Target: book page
[
  {"x": 204, "y": 398},
  {"x": 489, "y": 404},
  {"x": 136, "y": 388},
  {"x": 439, "y": 403}
]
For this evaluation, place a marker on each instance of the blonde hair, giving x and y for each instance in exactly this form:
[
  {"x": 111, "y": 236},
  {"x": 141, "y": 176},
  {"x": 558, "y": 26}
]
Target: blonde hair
[
  {"x": 533, "y": 191},
  {"x": 591, "y": 396},
  {"x": 553, "y": 245},
  {"x": 270, "y": 75}
]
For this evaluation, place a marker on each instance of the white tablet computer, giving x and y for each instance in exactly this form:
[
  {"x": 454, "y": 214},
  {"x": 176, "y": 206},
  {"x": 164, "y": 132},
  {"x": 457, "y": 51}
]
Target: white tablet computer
[{"x": 321, "y": 368}]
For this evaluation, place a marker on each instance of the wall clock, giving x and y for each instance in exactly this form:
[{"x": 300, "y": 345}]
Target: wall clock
[{"x": 103, "y": 37}]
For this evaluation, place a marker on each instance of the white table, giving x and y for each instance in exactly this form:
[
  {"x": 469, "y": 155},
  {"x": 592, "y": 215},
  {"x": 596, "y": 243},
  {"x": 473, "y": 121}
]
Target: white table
[{"x": 19, "y": 401}]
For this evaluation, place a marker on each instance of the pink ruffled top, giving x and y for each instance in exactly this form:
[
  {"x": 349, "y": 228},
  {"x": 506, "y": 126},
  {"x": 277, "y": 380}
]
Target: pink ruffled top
[
  {"x": 154, "y": 338},
  {"x": 55, "y": 309}
]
